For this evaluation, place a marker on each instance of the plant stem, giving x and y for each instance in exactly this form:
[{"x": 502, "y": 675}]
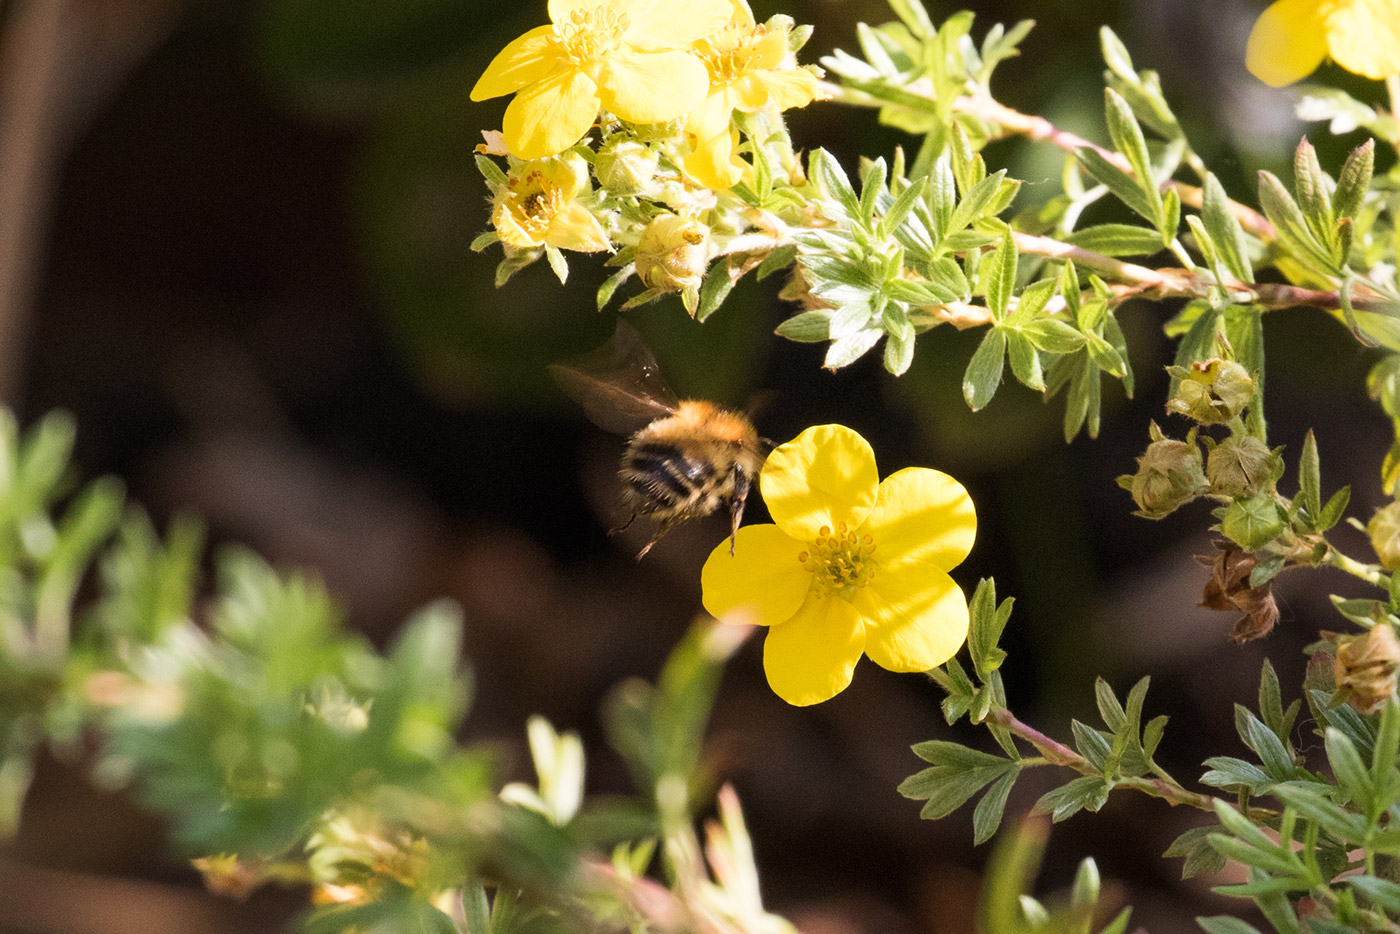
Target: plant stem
[
  {"x": 1057, "y": 753},
  {"x": 1367, "y": 572}
]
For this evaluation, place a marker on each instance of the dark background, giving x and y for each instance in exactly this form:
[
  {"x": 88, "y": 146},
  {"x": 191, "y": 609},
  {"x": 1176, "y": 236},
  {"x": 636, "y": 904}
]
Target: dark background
[{"x": 242, "y": 264}]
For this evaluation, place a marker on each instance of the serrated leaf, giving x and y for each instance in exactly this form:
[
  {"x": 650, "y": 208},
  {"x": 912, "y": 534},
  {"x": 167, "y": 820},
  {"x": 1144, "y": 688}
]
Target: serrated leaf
[{"x": 983, "y": 373}]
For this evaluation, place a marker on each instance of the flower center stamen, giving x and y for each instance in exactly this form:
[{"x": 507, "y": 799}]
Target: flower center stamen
[
  {"x": 840, "y": 562},
  {"x": 727, "y": 53},
  {"x": 590, "y": 34},
  {"x": 534, "y": 208}
]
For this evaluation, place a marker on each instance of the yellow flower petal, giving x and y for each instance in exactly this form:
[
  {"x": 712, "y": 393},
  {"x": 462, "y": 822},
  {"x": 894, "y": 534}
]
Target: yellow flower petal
[
  {"x": 1287, "y": 43},
  {"x": 575, "y": 228},
  {"x": 661, "y": 24},
  {"x": 762, "y": 583},
  {"x": 713, "y": 163},
  {"x": 550, "y": 116},
  {"x": 811, "y": 657},
  {"x": 924, "y": 516},
  {"x": 823, "y": 477},
  {"x": 528, "y": 59},
  {"x": 1364, "y": 37},
  {"x": 915, "y": 617},
  {"x": 770, "y": 50},
  {"x": 793, "y": 87},
  {"x": 650, "y": 87},
  {"x": 562, "y": 11}
]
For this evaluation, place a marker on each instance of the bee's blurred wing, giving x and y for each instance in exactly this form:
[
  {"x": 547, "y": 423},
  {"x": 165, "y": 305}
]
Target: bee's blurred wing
[{"x": 619, "y": 385}]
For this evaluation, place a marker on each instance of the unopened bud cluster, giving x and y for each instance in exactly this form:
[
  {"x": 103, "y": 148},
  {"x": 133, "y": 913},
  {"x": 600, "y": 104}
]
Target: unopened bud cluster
[{"x": 1366, "y": 668}]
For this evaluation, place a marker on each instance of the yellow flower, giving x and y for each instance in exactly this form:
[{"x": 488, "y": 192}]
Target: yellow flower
[
  {"x": 853, "y": 566},
  {"x": 623, "y": 55},
  {"x": 1291, "y": 38},
  {"x": 537, "y": 206},
  {"x": 749, "y": 69}
]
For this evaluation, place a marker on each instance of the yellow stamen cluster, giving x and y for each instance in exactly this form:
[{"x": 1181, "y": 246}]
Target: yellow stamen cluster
[
  {"x": 535, "y": 208},
  {"x": 840, "y": 563},
  {"x": 590, "y": 34},
  {"x": 728, "y": 52}
]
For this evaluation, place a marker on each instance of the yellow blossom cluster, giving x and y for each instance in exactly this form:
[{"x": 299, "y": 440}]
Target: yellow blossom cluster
[
  {"x": 677, "y": 72},
  {"x": 1292, "y": 37}
]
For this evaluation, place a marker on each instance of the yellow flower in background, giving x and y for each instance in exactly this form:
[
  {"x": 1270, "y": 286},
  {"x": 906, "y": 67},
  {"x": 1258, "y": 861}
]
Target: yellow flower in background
[
  {"x": 538, "y": 206},
  {"x": 852, "y": 566},
  {"x": 749, "y": 69},
  {"x": 628, "y": 56},
  {"x": 1292, "y": 37}
]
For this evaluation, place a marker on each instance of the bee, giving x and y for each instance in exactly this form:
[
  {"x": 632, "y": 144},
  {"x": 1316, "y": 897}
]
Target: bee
[{"x": 684, "y": 458}]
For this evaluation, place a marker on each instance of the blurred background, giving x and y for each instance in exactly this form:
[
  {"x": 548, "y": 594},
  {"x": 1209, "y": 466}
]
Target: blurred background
[{"x": 233, "y": 242}]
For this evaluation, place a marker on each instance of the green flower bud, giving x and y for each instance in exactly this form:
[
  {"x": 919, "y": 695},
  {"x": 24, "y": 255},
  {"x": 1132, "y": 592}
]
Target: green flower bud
[
  {"x": 626, "y": 167},
  {"x": 1211, "y": 391},
  {"x": 673, "y": 253},
  {"x": 1169, "y": 475},
  {"x": 1384, "y": 529},
  {"x": 1241, "y": 465}
]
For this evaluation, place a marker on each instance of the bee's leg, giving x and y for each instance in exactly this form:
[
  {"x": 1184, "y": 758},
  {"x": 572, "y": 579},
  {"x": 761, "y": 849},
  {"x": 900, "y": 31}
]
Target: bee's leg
[
  {"x": 736, "y": 505},
  {"x": 661, "y": 529},
  {"x": 623, "y": 527}
]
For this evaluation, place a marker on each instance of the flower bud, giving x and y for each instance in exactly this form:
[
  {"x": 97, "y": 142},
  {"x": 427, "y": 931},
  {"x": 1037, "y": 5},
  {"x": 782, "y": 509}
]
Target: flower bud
[
  {"x": 626, "y": 167},
  {"x": 672, "y": 253},
  {"x": 1366, "y": 666},
  {"x": 1211, "y": 391},
  {"x": 1241, "y": 465},
  {"x": 1169, "y": 475},
  {"x": 1384, "y": 529}
]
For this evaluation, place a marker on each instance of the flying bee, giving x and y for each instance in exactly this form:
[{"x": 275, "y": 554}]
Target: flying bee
[{"x": 684, "y": 459}]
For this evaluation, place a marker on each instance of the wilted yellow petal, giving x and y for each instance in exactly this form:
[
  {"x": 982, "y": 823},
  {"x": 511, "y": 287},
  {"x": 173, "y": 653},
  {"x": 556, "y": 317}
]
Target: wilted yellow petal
[
  {"x": 575, "y": 228},
  {"x": 662, "y": 24},
  {"x": 823, "y": 477},
  {"x": 811, "y": 657},
  {"x": 650, "y": 87},
  {"x": 549, "y": 117},
  {"x": 528, "y": 59},
  {"x": 916, "y": 617},
  {"x": 762, "y": 583},
  {"x": 1288, "y": 41},
  {"x": 924, "y": 516},
  {"x": 1364, "y": 37}
]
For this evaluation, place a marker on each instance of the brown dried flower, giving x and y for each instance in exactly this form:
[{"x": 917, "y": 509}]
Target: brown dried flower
[{"x": 1228, "y": 589}]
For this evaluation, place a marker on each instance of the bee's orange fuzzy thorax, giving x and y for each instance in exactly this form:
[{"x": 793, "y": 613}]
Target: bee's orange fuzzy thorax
[{"x": 719, "y": 423}]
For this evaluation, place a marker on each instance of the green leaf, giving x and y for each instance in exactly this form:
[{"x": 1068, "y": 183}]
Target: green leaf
[
  {"x": 899, "y": 352},
  {"x": 956, "y": 755},
  {"x": 852, "y": 347},
  {"x": 1276, "y": 757},
  {"x": 1294, "y": 232},
  {"x": 1091, "y": 743},
  {"x": 999, "y": 274},
  {"x": 1127, "y": 138},
  {"x": 780, "y": 258},
  {"x": 1224, "y": 924},
  {"x": 1229, "y": 772},
  {"x": 1333, "y": 510},
  {"x": 1382, "y": 893},
  {"x": 1115, "y": 55},
  {"x": 1110, "y": 709},
  {"x": 985, "y": 629},
  {"x": 1124, "y": 187},
  {"x": 1152, "y": 734},
  {"x": 834, "y": 183},
  {"x": 1200, "y": 856},
  {"x": 808, "y": 327},
  {"x": 986, "y": 817},
  {"x": 1117, "y": 240},
  {"x": 1252, "y": 523},
  {"x": 1312, "y": 184},
  {"x": 976, "y": 202},
  {"x": 1031, "y": 302},
  {"x": 983, "y": 373},
  {"x": 1310, "y": 477},
  {"x": 1346, "y": 827},
  {"x": 1352, "y": 775},
  {"x": 1271, "y": 704},
  {"x": 1024, "y": 360},
  {"x": 715, "y": 288},
  {"x": 1225, "y": 230},
  {"x": 872, "y": 184},
  {"x": 1088, "y": 792},
  {"x": 899, "y": 211},
  {"x": 1054, "y": 336}
]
